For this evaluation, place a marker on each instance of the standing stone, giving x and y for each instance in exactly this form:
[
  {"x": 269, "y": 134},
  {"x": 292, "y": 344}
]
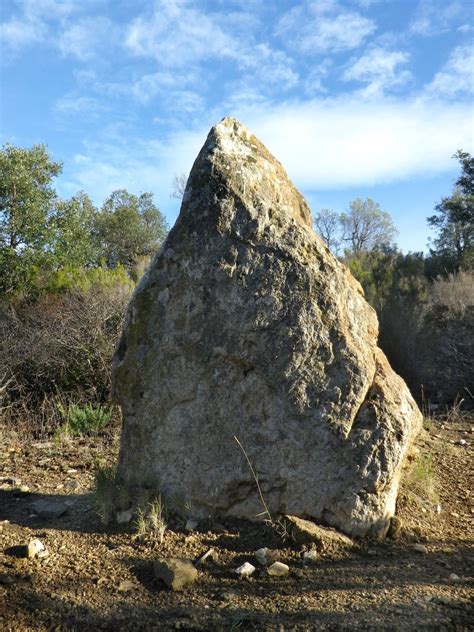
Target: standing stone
[{"x": 246, "y": 326}]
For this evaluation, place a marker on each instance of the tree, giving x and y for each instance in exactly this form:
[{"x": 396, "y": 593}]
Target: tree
[
  {"x": 327, "y": 224},
  {"x": 73, "y": 224},
  {"x": 179, "y": 185},
  {"x": 366, "y": 227},
  {"x": 26, "y": 198},
  {"x": 128, "y": 227},
  {"x": 454, "y": 220}
]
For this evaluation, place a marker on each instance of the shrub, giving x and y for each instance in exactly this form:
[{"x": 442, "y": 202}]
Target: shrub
[
  {"x": 418, "y": 484},
  {"x": 152, "y": 520},
  {"x": 445, "y": 342},
  {"x": 106, "y": 493},
  {"x": 59, "y": 347},
  {"x": 84, "y": 420}
]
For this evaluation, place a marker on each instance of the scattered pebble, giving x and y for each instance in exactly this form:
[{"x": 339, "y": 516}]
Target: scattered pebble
[
  {"x": 191, "y": 524},
  {"x": 421, "y": 548},
  {"x": 454, "y": 578},
  {"x": 310, "y": 557},
  {"x": 245, "y": 570},
  {"x": 265, "y": 556},
  {"x": 278, "y": 569},
  {"x": 34, "y": 548},
  {"x": 209, "y": 555},
  {"x": 175, "y": 572},
  {"x": 461, "y": 442},
  {"x": 126, "y": 586},
  {"x": 123, "y": 517},
  {"x": 49, "y": 508}
]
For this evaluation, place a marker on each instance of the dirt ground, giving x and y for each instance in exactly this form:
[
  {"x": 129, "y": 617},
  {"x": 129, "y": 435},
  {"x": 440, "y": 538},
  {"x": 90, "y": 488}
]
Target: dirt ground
[{"x": 102, "y": 578}]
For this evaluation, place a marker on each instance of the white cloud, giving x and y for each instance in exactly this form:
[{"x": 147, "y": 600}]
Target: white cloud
[
  {"x": 176, "y": 34},
  {"x": 268, "y": 65},
  {"x": 84, "y": 37},
  {"x": 347, "y": 141},
  {"x": 314, "y": 80},
  {"x": 150, "y": 85},
  {"x": 51, "y": 21},
  {"x": 366, "y": 4},
  {"x": 52, "y": 9},
  {"x": 323, "y": 143},
  {"x": 18, "y": 33},
  {"x": 132, "y": 163},
  {"x": 456, "y": 78},
  {"x": 316, "y": 27},
  {"x": 378, "y": 68},
  {"x": 80, "y": 105},
  {"x": 179, "y": 36},
  {"x": 437, "y": 16}
]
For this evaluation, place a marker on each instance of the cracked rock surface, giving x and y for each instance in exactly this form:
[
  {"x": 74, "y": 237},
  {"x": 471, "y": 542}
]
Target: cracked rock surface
[{"x": 246, "y": 326}]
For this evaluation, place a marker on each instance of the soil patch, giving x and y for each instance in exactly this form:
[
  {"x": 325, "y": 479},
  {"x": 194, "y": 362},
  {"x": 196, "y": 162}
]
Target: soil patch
[{"x": 98, "y": 578}]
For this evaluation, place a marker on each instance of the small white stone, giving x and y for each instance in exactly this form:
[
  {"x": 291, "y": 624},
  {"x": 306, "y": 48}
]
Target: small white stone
[
  {"x": 278, "y": 569},
  {"x": 245, "y": 570},
  {"x": 262, "y": 556},
  {"x": 265, "y": 556},
  {"x": 310, "y": 557},
  {"x": 421, "y": 548},
  {"x": 123, "y": 517},
  {"x": 191, "y": 524},
  {"x": 454, "y": 578},
  {"x": 34, "y": 548}
]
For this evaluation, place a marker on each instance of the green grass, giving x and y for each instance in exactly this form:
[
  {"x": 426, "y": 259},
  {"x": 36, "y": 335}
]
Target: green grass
[
  {"x": 420, "y": 481},
  {"x": 152, "y": 520},
  {"x": 83, "y": 420},
  {"x": 108, "y": 495}
]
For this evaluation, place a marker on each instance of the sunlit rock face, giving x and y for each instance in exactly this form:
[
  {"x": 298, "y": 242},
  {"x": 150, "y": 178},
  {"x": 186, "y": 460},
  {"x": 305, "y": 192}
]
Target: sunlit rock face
[{"x": 246, "y": 326}]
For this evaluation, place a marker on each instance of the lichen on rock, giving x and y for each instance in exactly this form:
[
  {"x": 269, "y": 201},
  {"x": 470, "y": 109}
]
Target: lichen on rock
[{"x": 246, "y": 326}]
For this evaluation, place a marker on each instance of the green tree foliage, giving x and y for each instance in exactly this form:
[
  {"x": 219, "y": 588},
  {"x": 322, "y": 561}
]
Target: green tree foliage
[
  {"x": 26, "y": 196},
  {"x": 128, "y": 227},
  {"x": 44, "y": 240},
  {"x": 73, "y": 224},
  {"x": 366, "y": 227},
  {"x": 454, "y": 221}
]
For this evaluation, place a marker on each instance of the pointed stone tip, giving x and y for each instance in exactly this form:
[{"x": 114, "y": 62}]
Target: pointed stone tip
[
  {"x": 233, "y": 156},
  {"x": 229, "y": 126}
]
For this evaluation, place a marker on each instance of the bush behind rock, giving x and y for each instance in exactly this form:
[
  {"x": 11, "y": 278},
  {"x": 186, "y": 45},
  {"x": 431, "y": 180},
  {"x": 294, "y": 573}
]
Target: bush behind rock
[{"x": 56, "y": 351}]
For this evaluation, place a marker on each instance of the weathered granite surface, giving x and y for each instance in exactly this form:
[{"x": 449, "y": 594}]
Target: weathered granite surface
[{"x": 246, "y": 325}]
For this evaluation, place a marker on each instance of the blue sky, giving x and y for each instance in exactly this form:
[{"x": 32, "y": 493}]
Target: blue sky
[{"x": 357, "y": 98}]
